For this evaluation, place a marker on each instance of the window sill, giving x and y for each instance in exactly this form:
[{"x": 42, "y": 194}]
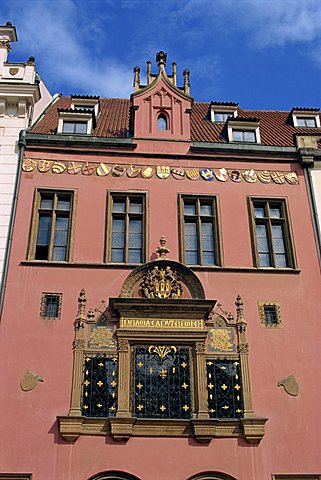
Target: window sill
[
  {"x": 122, "y": 428},
  {"x": 130, "y": 266},
  {"x": 217, "y": 268},
  {"x": 49, "y": 263}
]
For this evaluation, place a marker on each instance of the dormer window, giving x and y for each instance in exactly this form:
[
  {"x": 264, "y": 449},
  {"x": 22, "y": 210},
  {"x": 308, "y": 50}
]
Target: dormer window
[
  {"x": 221, "y": 117},
  {"x": 221, "y": 111},
  {"x": 243, "y": 130},
  {"x": 74, "y": 127},
  {"x": 244, "y": 136},
  {"x": 76, "y": 122},
  {"x": 162, "y": 123},
  {"x": 306, "y": 122},
  {"x": 306, "y": 117}
]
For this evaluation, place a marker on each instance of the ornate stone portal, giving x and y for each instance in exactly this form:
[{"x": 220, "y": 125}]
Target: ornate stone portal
[{"x": 161, "y": 338}]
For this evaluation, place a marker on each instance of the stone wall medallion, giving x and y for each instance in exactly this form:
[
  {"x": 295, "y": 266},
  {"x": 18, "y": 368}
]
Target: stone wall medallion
[
  {"x": 29, "y": 381},
  {"x": 290, "y": 385},
  {"x": 162, "y": 283}
]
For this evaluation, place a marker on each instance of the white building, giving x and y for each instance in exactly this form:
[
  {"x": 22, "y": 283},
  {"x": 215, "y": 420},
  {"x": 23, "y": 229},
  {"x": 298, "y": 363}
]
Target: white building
[{"x": 23, "y": 97}]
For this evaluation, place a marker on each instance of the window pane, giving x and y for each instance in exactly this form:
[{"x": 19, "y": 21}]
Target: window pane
[
  {"x": 249, "y": 136},
  {"x": 264, "y": 260},
  {"x": 61, "y": 231},
  {"x": 206, "y": 209},
  {"x": 118, "y": 240},
  {"x": 44, "y": 230},
  {"x": 135, "y": 241},
  {"x": 63, "y": 203},
  {"x": 81, "y": 127},
  {"x": 208, "y": 258},
  {"x": 59, "y": 254},
  {"x": 191, "y": 257},
  {"x": 134, "y": 255},
  {"x": 119, "y": 206},
  {"x": 161, "y": 123},
  {"x": 237, "y": 136},
  {"x": 310, "y": 122},
  {"x": 280, "y": 260},
  {"x": 117, "y": 255},
  {"x": 259, "y": 212},
  {"x": 207, "y": 237},
  {"x": 68, "y": 127},
  {"x": 189, "y": 209},
  {"x": 46, "y": 203},
  {"x": 135, "y": 207},
  {"x": 275, "y": 212}
]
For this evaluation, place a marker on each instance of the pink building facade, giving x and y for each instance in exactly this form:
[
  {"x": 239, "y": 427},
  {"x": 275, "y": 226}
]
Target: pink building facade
[{"x": 163, "y": 298}]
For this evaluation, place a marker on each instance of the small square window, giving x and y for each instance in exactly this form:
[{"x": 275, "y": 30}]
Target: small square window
[
  {"x": 270, "y": 314},
  {"x": 51, "y": 305}
]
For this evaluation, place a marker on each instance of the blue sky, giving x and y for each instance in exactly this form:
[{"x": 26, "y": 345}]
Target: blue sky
[{"x": 264, "y": 54}]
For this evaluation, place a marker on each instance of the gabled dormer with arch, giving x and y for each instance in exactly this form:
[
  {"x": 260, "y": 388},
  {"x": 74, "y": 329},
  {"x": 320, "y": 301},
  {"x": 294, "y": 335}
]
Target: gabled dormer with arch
[{"x": 161, "y": 109}]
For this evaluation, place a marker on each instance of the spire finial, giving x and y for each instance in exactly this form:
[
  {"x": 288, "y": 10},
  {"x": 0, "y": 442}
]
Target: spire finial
[
  {"x": 162, "y": 250},
  {"x": 136, "y": 82},
  {"x": 187, "y": 83},
  {"x": 161, "y": 58}
]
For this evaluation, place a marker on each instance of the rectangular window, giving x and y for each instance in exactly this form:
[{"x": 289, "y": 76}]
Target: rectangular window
[
  {"x": 51, "y": 305},
  {"x": 271, "y": 233},
  {"x": 306, "y": 122},
  {"x": 51, "y": 227},
  {"x": 126, "y": 230},
  {"x": 244, "y": 136},
  {"x": 222, "y": 116},
  {"x": 200, "y": 237},
  {"x": 74, "y": 127}
]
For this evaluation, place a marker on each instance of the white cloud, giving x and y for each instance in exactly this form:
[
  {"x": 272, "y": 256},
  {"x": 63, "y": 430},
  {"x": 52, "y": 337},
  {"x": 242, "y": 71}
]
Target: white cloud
[
  {"x": 280, "y": 22},
  {"x": 66, "y": 51}
]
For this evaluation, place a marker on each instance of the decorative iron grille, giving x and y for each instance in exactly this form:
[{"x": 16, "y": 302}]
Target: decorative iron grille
[
  {"x": 162, "y": 382},
  {"x": 100, "y": 386},
  {"x": 224, "y": 386}
]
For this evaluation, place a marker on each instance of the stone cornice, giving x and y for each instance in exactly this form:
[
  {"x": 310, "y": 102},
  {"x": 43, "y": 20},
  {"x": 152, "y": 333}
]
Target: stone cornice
[{"x": 20, "y": 90}]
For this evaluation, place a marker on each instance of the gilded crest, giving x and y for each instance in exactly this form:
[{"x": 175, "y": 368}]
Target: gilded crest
[
  {"x": 161, "y": 283},
  {"x": 13, "y": 71}
]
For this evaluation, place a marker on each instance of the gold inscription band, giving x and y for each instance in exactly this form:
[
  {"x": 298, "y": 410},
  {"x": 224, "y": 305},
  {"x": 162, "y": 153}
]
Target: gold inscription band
[{"x": 161, "y": 323}]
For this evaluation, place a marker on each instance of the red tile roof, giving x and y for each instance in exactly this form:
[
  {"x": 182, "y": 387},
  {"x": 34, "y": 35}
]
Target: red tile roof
[{"x": 114, "y": 119}]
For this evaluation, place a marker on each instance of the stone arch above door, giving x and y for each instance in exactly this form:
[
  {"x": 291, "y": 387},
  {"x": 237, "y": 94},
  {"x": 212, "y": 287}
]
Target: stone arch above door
[{"x": 162, "y": 278}]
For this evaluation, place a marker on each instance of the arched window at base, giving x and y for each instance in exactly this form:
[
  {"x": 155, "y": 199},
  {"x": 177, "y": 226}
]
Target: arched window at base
[
  {"x": 114, "y": 476},
  {"x": 211, "y": 476}
]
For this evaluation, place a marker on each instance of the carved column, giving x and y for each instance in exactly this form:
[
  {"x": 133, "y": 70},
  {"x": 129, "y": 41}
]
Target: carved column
[
  {"x": 78, "y": 357},
  {"x": 123, "y": 378},
  {"x": 243, "y": 349},
  {"x": 201, "y": 388}
]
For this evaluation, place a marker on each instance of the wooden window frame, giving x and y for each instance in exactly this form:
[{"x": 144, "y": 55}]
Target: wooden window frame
[
  {"x": 31, "y": 252},
  {"x": 111, "y": 195},
  {"x": 216, "y": 228},
  {"x": 281, "y": 203}
]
